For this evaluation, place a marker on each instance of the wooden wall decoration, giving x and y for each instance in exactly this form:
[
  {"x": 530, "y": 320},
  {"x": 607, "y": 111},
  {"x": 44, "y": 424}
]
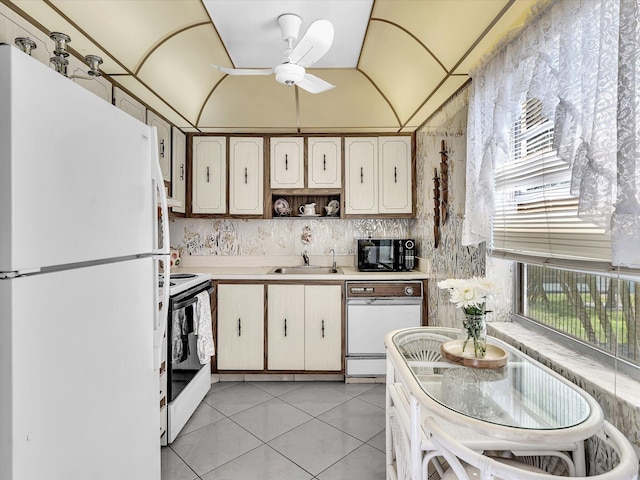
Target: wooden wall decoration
[
  {"x": 436, "y": 208},
  {"x": 444, "y": 184},
  {"x": 440, "y": 195}
]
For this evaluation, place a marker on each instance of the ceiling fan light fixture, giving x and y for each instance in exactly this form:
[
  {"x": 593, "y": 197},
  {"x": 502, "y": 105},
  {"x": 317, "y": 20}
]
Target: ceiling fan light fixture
[{"x": 289, "y": 73}]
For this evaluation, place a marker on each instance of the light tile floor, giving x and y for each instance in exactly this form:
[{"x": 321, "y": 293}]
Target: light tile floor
[{"x": 282, "y": 431}]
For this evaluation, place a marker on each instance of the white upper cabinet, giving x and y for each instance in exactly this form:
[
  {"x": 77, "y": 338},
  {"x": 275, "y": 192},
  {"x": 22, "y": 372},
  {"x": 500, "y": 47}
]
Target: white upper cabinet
[
  {"x": 164, "y": 143},
  {"x": 209, "y": 175},
  {"x": 13, "y": 26},
  {"x": 98, "y": 85},
  {"x": 361, "y": 175},
  {"x": 287, "y": 162},
  {"x": 126, "y": 102},
  {"x": 179, "y": 156},
  {"x": 395, "y": 186},
  {"x": 325, "y": 162},
  {"x": 246, "y": 176},
  {"x": 378, "y": 175}
]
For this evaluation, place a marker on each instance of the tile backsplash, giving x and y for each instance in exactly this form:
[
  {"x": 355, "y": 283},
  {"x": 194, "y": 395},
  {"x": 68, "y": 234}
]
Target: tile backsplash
[{"x": 282, "y": 236}]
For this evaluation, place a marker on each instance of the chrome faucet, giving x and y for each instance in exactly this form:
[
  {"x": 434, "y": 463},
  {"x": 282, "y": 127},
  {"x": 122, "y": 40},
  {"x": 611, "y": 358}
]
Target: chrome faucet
[
  {"x": 305, "y": 257},
  {"x": 333, "y": 263}
]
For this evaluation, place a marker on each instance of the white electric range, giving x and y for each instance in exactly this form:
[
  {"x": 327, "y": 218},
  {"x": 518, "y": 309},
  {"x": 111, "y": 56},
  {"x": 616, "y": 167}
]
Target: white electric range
[
  {"x": 179, "y": 282},
  {"x": 184, "y": 381}
]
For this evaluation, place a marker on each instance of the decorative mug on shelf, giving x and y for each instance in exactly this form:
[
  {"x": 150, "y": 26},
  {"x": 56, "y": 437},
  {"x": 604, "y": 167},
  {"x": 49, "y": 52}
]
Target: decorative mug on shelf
[{"x": 308, "y": 209}]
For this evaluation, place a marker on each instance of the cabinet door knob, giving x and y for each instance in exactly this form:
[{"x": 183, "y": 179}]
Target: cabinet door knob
[
  {"x": 207, "y": 174},
  {"x": 182, "y": 172},
  {"x": 323, "y": 328},
  {"x": 285, "y": 327},
  {"x": 162, "y": 148},
  {"x": 324, "y": 162},
  {"x": 239, "y": 328},
  {"x": 361, "y": 175},
  {"x": 286, "y": 162},
  {"x": 395, "y": 174},
  {"x": 245, "y": 175}
]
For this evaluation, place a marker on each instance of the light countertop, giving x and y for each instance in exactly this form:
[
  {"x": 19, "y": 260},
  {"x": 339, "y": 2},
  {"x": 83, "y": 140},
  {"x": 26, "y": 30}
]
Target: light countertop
[{"x": 258, "y": 268}]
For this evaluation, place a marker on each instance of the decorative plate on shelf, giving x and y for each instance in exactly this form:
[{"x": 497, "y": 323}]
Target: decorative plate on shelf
[
  {"x": 332, "y": 208},
  {"x": 281, "y": 207}
]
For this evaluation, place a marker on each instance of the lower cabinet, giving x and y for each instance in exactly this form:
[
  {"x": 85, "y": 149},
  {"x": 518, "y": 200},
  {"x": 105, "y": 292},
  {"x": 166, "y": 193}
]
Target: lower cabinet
[
  {"x": 304, "y": 327},
  {"x": 285, "y": 327},
  {"x": 240, "y": 327}
]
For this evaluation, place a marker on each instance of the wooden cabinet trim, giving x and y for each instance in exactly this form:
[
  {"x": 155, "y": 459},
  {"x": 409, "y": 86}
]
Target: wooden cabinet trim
[
  {"x": 323, "y": 195},
  {"x": 265, "y": 285}
]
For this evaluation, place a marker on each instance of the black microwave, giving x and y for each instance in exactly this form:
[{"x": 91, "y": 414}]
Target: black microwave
[{"x": 386, "y": 255}]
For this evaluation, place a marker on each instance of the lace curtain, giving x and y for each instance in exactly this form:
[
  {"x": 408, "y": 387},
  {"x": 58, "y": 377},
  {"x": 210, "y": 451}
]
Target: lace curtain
[
  {"x": 578, "y": 57},
  {"x": 625, "y": 224}
]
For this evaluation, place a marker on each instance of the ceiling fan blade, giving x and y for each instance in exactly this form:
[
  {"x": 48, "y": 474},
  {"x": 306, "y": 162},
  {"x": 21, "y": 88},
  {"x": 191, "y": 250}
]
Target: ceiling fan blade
[
  {"x": 244, "y": 71},
  {"x": 313, "y": 45},
  {"x": 313, "y": 84}
]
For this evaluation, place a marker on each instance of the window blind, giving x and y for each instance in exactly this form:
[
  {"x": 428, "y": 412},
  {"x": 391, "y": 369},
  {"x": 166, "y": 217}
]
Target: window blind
[{"x": 535, "y": 213}]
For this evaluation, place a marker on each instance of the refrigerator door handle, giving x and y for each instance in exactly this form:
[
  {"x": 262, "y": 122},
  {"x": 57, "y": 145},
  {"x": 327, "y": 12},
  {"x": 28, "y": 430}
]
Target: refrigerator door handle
[
  {"x": 161, "y": 249},
  {"x": 161, "y": 232},
  {"x": 161, "y": 311}
]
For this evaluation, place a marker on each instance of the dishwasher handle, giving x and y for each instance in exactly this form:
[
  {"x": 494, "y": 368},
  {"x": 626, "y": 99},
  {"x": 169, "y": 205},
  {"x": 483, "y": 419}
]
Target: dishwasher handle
[{"x": 385, "y": 301}]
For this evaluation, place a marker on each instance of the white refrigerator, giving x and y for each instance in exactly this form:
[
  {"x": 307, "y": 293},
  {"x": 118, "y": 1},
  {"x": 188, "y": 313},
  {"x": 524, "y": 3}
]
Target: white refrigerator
[{"x": 80, "y": 315}]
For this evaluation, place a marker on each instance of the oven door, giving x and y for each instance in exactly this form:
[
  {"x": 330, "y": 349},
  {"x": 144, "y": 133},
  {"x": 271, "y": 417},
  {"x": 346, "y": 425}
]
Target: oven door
[{"x": 188, "y": 380}]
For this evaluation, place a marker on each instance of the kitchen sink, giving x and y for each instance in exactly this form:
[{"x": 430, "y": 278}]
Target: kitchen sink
[{"x": 306, "y": 269}]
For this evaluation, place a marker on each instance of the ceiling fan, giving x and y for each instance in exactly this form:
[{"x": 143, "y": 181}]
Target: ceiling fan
[{"x": 312, "y": 46}]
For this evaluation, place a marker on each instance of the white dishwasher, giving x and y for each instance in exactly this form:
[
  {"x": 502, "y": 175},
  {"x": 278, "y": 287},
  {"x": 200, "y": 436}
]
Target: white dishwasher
[{"x": 373, "y": 310}]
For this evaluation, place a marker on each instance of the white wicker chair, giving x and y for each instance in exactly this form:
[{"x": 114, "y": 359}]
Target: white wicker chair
[
  {"x": 466, "y": 464},
  {"x": 422, "y": 352},
  {"x": 422, "y": 349},
  {"x": 401, "y": 457}
]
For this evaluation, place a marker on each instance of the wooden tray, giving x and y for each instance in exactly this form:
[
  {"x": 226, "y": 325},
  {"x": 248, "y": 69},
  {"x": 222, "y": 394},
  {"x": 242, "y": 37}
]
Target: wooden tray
[{"x": 495, "y": 357}]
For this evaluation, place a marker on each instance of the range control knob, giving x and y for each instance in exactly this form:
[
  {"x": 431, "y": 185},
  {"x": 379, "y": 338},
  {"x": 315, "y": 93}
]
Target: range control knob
[
  {"x": 409, "y": 244},
  {"x": 408, "y": 290}
]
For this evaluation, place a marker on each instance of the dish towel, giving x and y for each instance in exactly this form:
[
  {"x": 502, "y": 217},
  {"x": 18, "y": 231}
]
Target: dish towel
[
  {"x": 179, "y": 345},
  {"x": 202, "y": 328}
]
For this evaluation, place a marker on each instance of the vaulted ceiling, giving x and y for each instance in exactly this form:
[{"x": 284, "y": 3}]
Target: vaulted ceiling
[{"x": 410, "y": 57}]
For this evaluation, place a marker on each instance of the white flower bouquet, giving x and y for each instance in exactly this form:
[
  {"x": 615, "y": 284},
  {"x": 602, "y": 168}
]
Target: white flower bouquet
[{"x": 471, "y": 296}]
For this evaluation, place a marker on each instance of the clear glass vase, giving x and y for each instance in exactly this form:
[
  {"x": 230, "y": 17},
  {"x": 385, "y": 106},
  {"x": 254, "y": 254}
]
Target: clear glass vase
[{"x": 474, "y": 335}]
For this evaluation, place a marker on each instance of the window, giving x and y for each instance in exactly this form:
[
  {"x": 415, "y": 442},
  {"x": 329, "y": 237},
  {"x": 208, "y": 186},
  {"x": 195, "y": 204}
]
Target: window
[
  {"x": 535, "y": 211},
  {"x": 552, "y": 162},
  {"x": 599, "y": 311},
  {"x": 565, "y": 280}
]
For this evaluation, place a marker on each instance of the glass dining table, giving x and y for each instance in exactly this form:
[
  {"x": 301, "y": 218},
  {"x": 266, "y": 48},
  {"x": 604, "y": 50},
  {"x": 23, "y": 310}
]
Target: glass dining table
[{"x": 521, "y": 405}]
